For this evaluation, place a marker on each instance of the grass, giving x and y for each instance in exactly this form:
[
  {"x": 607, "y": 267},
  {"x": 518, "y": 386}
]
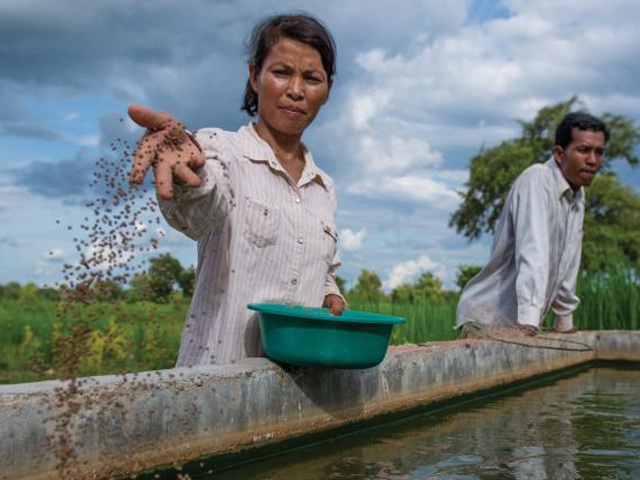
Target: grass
[
  {"x": 424, "y": 323},
  {"x": 42, "y": 339}
]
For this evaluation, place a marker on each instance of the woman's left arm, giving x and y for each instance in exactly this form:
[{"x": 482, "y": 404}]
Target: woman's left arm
[{"x": 333, "y": 298}]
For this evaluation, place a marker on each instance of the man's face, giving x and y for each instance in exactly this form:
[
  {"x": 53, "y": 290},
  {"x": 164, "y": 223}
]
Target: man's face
[{"x": 582, "y": 158}]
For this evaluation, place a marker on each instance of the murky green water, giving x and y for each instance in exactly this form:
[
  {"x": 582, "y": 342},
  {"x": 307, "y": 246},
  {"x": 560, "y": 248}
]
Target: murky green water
[{"x": 583, "y": 427}]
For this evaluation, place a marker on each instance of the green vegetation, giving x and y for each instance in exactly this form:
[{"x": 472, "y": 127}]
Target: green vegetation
[{"x": 45, "y": 338}]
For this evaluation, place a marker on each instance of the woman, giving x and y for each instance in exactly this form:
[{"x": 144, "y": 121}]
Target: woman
[{"x": 261, "y": 210}]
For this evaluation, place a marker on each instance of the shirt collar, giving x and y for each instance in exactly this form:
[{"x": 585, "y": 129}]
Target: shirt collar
[
  {"x": 257, "y": 150},
  {"x": 562, "y": 186}
]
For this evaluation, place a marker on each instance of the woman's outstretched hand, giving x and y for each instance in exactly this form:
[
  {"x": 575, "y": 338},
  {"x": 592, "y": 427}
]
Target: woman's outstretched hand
[{"x": 168, "y": 148}]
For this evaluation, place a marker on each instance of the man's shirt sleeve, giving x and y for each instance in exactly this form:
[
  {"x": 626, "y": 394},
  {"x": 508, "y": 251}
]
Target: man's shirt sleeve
[
  {"x": 530, "y": 215},
  {"x": 566, "y": 300}
]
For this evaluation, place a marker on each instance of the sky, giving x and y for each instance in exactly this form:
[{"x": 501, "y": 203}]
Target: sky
[{"x": 422, "y": 86}]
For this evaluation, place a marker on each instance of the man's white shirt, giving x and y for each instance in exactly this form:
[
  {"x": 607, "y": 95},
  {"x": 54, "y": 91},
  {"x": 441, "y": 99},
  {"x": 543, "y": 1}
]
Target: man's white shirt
[{"x": 535, "y": 256}]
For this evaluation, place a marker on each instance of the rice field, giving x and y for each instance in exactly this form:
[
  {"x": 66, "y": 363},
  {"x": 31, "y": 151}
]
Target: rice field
[{"x": 44, "y": 339}]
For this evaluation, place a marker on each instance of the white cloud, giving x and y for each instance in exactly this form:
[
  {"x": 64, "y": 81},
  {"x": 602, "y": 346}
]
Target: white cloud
[
  {"x": 352, "y": 241},
  {"x": 407, "y": 271},
  {"x": 487, "y": 75},
  {"x": 55, "y": 254},
  {"x": 44, "y": 270},
  {"x": 407, "y": 188},
  {"x": 394, "y": 154},
  {"x": 91, "y": 140},
  {"x": 363, "y": 108},
  {"x": 70, "y": 116}
]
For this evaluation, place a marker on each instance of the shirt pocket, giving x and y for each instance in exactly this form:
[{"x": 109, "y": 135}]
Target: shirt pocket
[
  {"x": 329, "y": 240},
  {"x": 261, "y": 223}
]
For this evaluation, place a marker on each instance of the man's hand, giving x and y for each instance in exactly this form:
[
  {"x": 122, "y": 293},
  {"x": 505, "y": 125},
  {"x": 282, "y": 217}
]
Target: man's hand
[
  {"x": 334, "y": 303},
  {"x": 168, "y": 148},
  {"x": 528, "y": 330},
  {"x": 570, "y": 330}
]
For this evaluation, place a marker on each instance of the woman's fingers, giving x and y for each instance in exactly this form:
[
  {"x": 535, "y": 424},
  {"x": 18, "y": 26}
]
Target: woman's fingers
[
  {"x": 184, "y": 172},
  {"x": 145, "y": 156},
  {"x": 147, "y": 118},
  {"x": 168, "y": 148},
  {"x": 334, "y": 303},
  {"x": 164, "y": 180},
  {"x": 336, "y": 308},
  {"x": 196, "y": 159}
]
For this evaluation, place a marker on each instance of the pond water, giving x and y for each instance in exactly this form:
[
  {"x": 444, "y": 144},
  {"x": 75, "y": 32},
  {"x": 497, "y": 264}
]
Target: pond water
[{"x": 586, "y": 426}]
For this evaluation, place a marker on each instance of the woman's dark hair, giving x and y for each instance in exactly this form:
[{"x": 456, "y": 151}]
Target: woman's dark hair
[
  {"x": 581, "y": 121},
  {"x": 300, "y": 27}
]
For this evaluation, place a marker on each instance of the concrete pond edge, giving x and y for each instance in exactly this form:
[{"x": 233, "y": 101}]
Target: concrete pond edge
[{"x": 116, "y": 425}]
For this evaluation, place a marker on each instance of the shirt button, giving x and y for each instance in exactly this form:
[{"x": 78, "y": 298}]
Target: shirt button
[
  {"x": 294, "y": 281},
  {"x": 298, "y": 200},
  {"x": 300, "y": 240}
]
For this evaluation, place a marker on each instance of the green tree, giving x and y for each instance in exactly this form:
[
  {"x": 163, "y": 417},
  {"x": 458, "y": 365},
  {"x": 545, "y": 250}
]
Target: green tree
[
  {"x": 29, "y": 297},
  {"x": 493, "y": 171},
  {"x": 342, "y": 284},
  {"x": 466, "y": 273},
  {"x": 427, "y": 289},
  {"x": 163, "y": 274},
  {"x": 12, "y": 291},
  {"x": 404, "y": 293},
  {"x": 107, "y": 290},
  {"x": 429, "y": 283},
  {"x": 367, "y": 289},
  {"x": 49, "y": 293},
  {"x": 612, "y": 227},
  {"x": 187, "y": 281},
  {"x": 138, "y": 288}
]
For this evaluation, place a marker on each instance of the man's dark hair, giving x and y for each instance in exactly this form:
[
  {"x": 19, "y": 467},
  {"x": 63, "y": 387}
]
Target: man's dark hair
[
  {"x": 581, "y": 121},
  {"x": 300, "y": 27}
]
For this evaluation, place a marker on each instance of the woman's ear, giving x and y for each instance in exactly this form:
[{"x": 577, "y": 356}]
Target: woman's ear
[{"x": 253, "y": 77}]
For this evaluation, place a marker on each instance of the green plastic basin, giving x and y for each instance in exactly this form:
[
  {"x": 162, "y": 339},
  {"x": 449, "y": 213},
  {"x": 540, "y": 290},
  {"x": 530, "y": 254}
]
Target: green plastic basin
[{"x": 313, "y": 337}]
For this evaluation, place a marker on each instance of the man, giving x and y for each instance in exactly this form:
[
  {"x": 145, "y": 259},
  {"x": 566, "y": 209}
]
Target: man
[{"x": 535, "y": 256}]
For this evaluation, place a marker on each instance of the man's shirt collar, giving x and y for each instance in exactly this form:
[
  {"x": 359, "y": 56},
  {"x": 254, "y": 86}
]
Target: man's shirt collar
[{"x": 562, "y": 186}]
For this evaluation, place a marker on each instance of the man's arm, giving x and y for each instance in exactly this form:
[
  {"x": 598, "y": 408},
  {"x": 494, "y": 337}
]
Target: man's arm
[
  {"x": 530, "y": 211},
  {"x": 566, "y": 300}
]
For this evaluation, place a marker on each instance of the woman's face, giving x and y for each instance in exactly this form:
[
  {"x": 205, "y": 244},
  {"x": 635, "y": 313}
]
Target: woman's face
[{"x": 291, "y": 86}]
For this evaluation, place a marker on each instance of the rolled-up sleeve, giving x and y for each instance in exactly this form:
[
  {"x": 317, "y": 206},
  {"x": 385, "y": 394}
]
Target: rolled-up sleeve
[
  {"x": 330, "y": 284},
  {"x": 196, "y": 210}
]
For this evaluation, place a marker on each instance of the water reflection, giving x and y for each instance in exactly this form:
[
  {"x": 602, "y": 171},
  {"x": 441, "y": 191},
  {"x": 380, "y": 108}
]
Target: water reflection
[{"x": 587, "y": 426}]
